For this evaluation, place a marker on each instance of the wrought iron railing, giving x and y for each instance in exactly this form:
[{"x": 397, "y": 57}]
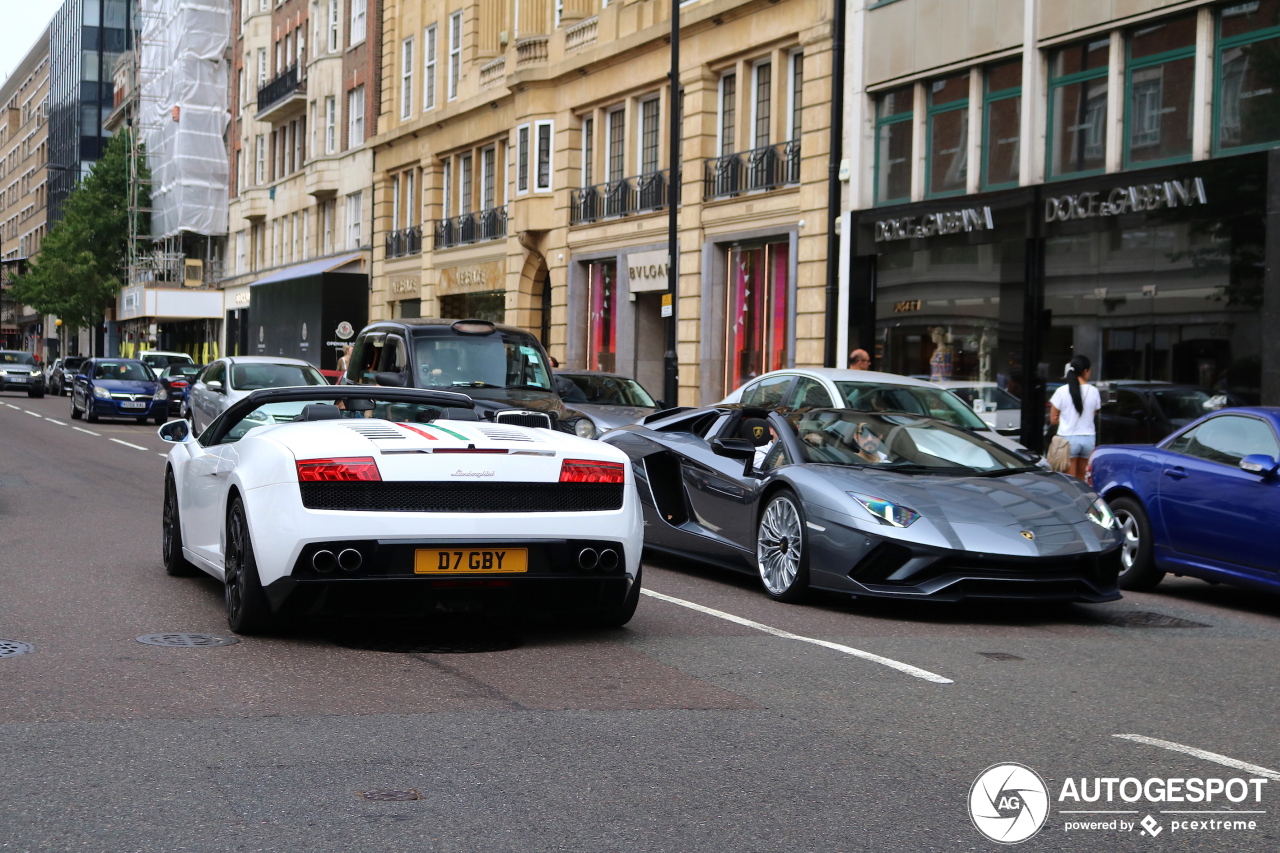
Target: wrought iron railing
[
  {"x": 278, "y": 89},
  {"x": 621, "y": 197},
  {"x": 406, "y": 241},
  {"x": 466, "y": 228},
  {"x": 764, "y": 168}
]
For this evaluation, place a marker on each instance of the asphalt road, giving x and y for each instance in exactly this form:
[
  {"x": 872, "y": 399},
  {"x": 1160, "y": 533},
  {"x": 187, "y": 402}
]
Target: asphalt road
[{"x": 685, "y": 731}]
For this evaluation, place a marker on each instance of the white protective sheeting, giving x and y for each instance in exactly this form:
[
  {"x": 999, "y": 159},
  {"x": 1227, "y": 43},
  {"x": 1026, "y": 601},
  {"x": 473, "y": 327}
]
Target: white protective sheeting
[{"x": 184, "y": 68}]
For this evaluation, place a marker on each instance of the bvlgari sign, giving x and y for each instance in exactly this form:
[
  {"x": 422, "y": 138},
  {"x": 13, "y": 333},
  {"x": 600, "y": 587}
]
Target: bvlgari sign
[
  {"x": 1125, "y": 200},
  {"x": 932, "y": 224}
]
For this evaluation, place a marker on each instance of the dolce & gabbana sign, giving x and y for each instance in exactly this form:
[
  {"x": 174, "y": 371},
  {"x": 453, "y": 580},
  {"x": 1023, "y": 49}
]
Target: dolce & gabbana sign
[
  {"x": 1120, "y": 200},
  {"x": 933, "y": 224}
]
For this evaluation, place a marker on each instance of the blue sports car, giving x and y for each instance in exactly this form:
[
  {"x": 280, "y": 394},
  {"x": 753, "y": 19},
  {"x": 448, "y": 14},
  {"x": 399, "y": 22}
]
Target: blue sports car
[{"x": 1204, "y": 502}]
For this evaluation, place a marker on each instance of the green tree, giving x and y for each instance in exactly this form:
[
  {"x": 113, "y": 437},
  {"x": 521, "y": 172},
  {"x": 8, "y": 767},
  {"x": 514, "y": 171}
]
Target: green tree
[{"x": 83, "y": 262}]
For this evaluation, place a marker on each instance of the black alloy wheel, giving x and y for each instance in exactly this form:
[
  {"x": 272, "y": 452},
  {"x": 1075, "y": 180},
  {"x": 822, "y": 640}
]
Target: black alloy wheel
[
  {"x": 171, "y": 532},
  {"x": 247, "y": 609},
  {"x": 782, "y": 551},
  {"x": 1137, "y": 568}
]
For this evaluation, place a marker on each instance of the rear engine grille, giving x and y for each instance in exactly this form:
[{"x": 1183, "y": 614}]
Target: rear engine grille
[
  {"x": 379, "y": 431},
  {"x": 503, "y": 434},
  {"x": 462, "y": 497}
]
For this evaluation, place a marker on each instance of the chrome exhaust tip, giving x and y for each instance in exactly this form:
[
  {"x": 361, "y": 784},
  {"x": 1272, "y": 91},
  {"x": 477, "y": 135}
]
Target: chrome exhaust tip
[
  {"x": 608, "y": 559},
  {"x": 588, "y": 558},
  {"x": 324, "y": 561},
  {"x": 350, "y": 560}
]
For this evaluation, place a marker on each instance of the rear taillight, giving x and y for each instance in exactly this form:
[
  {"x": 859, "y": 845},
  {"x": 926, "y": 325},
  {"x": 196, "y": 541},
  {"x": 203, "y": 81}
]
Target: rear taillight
[
  {"x": 177, "y": 384},
  {"x": 345, "y": 470},
  {"x": 586, "y": 471}
]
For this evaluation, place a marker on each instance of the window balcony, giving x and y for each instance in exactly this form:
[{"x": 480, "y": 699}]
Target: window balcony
[
  {"x": 283, "y": 97},
  {"x": 469, "y": 228},
  {"x": 406, "y": 241},
  {"x": 622, "y": 197},
  {"x": 765, "y": 168}
]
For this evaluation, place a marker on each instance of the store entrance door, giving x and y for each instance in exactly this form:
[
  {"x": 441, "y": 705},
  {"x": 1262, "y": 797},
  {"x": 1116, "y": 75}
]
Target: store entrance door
[{"x": 651, "y": 341}]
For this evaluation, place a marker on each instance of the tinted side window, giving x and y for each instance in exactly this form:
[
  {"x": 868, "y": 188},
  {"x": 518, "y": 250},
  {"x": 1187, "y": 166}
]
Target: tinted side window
[
  {"x": 768, "y": 392},
  {"x": 1228, "y": 439},
  {"x": 809, "y": 394},
  {"x": 364, "y": 361},
  {"x": 395, "y": 355}
]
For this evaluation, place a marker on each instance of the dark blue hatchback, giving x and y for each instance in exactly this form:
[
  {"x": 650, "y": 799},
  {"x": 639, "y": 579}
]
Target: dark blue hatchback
[
  {"x": 118, "y": 388},
  {"x": 1204, "y": 502}
]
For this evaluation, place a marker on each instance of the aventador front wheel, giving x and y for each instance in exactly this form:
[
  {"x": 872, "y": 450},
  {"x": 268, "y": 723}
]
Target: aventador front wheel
[{"x": 782, "y": 548}]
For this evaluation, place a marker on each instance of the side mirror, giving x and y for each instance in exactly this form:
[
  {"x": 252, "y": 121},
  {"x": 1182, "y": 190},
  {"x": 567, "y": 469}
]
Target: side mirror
[
  {"x": 215, "y": 385},
  {"x": 1260, "y": 464},
  {"x": 389, "y": 379},
  {"x": 175, "y": 432},
  {"x": 733, "y": 448}
]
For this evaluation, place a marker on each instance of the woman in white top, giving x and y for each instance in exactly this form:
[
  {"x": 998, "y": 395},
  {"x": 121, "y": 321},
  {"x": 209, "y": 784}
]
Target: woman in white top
[{"x": 1072, "y": 408}]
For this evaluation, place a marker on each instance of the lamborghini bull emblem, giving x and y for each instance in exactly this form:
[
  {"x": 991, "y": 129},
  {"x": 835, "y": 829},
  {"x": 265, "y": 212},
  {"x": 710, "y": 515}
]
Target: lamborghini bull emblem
[{"x": 758, "y": 432}]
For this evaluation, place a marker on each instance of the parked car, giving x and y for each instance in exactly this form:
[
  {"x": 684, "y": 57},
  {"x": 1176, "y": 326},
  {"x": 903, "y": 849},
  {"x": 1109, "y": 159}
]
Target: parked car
[
  {"x": 1203, "y": 502},
  {"x": 226, "y": 380},
  {"x": 882, "y": 504},
  {"x": 333, "y": 499},
  {"x": 1146, "y": 412},
  {"x": 176, "y": 379},
  {"x": 608, "y": 399},
  {"x": 20, "y": 371},
  {"x": 118, "y": 388},
  {"x": 866, "y": 391},
  {"x": 62, "y": 372},
  {"x": 999, "y": 409},
  {"x": 502, "y": 368},
  {"x": 158, "y": 360}
]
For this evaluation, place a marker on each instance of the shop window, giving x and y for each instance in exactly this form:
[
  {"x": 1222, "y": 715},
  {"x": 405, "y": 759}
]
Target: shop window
[
  {"x": 894, "y": 113},
  {"x": 1078, "y": 109},
  {"x": 1248, "y": 78},
  {"x": 1159, "y": 81},
  {"x": 1002, "y": 125},
  {"x": 948, "y": 135},
  {"x": 757, "y": 310},
  {"x": 602, "y": 331}
]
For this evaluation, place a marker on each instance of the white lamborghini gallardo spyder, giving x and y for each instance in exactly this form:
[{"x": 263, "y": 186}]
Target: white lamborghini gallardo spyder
[{"x": 395, "y": 501}]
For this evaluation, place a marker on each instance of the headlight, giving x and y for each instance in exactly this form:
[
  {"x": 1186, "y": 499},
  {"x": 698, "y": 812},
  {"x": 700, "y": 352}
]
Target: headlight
[
  {"x": 35, "y": 371},
  {"x": 161, "y": 394},
  {"x": 101, "y": 393},
  {"x": 584, "y": 428},
  {"x": 886, "y": 512},
  {"x": 1101, "y": 515}
]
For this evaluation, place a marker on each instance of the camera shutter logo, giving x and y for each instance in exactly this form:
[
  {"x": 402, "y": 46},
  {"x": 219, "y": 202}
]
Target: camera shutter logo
[{"x": 1008, "y": 803}]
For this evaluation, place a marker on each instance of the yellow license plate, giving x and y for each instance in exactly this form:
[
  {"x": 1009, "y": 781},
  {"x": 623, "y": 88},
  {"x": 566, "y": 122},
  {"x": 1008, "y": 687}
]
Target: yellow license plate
[{"x": 470, "y": 561}]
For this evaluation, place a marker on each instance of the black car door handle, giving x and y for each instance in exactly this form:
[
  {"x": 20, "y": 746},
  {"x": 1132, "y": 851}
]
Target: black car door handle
[{"x": 1177, "y": 472}]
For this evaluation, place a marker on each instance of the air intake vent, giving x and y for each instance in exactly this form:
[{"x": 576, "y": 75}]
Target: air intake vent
[
  {"x": 525, "y": 419},
  {"x": 504, "y": 434},
  {"x": 376, "y": 431}
]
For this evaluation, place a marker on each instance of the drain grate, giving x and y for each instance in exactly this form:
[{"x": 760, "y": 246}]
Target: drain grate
[
  {"x": 1146, "y": 619},
  {"x": 429, "y": 644},
  {"x": 389, "y": 795},
  {"x": 185, "y": 640},
  {"x": 1000, "y": 656},
  {"x": 13, "y": 648}
]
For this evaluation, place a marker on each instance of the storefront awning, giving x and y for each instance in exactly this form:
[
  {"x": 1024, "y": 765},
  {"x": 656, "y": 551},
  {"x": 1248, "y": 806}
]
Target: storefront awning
[{"x": 311, "y": 268}]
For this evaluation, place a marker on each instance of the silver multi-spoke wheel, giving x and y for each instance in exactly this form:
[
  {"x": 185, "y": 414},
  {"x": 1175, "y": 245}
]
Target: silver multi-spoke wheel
[
  {"x": 1131, "y": 540},
  {"x": 780, "y": 546},
  {"x": 1137, "y": 568}
]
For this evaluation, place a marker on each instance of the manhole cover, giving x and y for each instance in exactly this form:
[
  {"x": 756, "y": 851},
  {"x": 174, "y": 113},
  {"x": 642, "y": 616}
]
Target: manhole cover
[
  {"x": 187, "y": 641},
  {"x": 429, "y": 644},
  {"x": 999, "y": 656},
  {"x": 1146, "y": 619},
  {"x": 389, "y": 796},
  {"x": 13, "y": 648}
]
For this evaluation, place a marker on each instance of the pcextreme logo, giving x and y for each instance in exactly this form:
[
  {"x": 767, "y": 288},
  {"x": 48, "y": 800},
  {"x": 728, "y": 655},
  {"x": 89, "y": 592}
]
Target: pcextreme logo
[{"x": 1008, "y": 803}]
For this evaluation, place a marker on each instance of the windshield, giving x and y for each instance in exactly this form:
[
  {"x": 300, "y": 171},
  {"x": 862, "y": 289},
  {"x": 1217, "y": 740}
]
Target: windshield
[
  {"x": 609, "y": 391},
  {"x": 73, "y": 362},
  {"x": 896, "y": 442},
  {"x": 1186, "y": 404},
  {"x": 931, "y": 402},
  {"x": 132, "y": 371},
  {"x": 480, "y": 361},
  {"x": 251, "y": 377},
  {"x": 987, "y": 398},
  {"x": 160, "y": 362},
  {"x": 17, "y": 358}
]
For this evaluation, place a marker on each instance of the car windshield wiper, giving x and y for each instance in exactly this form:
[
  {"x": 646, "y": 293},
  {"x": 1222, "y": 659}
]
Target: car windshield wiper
[
  {"x": 1000, "y": 472},
  {"x": 457, "y": 384},
  {"x": 529, "y": 387},
  {"x": 915, "y": 468}
]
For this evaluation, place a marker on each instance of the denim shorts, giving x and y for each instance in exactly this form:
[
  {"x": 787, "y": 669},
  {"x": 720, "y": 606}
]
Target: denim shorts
[{"x": 1081, "y": 445}]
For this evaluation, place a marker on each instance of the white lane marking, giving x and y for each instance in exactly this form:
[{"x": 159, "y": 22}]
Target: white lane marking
[
  {"x": 12, "y": 406},
  {"x": 33, "y": 414},
  {"x": 127, "y": 444},
  {"x": 56, "y": 421},
  {"x": 787, "y": 635},
  {"x": 89, "y": 431},
  {"x": 1204, "y": 754},
  {"x": 165, "y": 455}
]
